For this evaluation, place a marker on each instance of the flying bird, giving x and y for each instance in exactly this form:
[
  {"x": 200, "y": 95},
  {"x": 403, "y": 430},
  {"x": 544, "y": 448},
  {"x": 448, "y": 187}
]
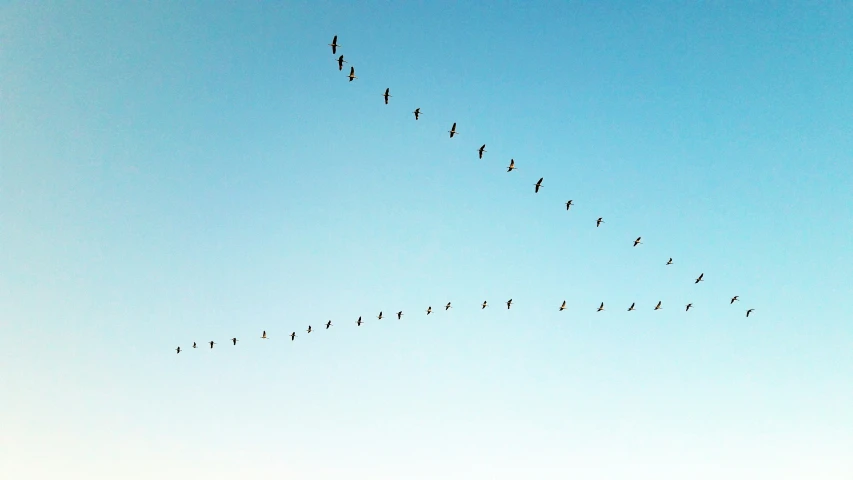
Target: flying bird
[
  {"x": 447, "y": 306},
  {"x": 631, "y": 308},
  {"x": 599, "y": 222},
  {"x": 484, "y": 304},
  {"x": 264, "y": 335},
  {"x": 600, "y": 307},
  {"x": 508, "y": 304},
  {"x": 234, "y": 340},
  {"x": 328, "y": 324},
  {"x": 669, "y": 262},
  {"x": 178, "y": 349},
  {"x": 699, "y": 279},
  {"x": 481, "y": 150},
  {"x": 637, "y": 241},
  {"x": 334, "y": 45},
  {"x": 749, "y": 311},
  {"x": 358, "y": 322},
  {"x": 386, "y": 95},
  {"x": 569, "y": 205},
  {"x": 538, "y": 185},
  {"x": 429, "y": 310},
  {"x": 309, "y": 329},
  {"x": 399, "y": 314},
  {"x": 292, "y": 336},
  {"x": 194, "y": 345},
  {"x": 452, "y": 130},
  {"x": 352, "y": 74},
  {"x": 563, "y": 306},
  {"x": 212, "y": 343},
  {"x": 687, "y": 308},
  {"x": 734, "y": 299},
  {"x": 341, "y": 63},
  {"x": 657, "y": 307},
  {"x": 417, "y": 113},
  {"x": 379, "y": 317},
  {"x": 511, "y": 166}
]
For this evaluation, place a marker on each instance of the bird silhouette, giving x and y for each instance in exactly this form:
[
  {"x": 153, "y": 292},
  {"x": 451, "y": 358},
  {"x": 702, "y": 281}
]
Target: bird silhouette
[
  {"x": 399, "y": 314},
  {"x": 538, "y": 185},
  {"x": 351, "y": 74},
  {"x": 563, "y": 306},
  {"x": 687, "y": 308},
  {"x": 749, "y": 311},
  {"x": 631, "y": 308},
  {"x": 386, "y": 95},
  {"x": 358, "y": 322},
  {"x": 508, "y": 303},
  {"x": 447, "y": 306},
  {"x": 212, "y": 343},
  {"x": 600, "y": 307},
  {"x": 485, "y": 304},
  {"x": 669, "y": 262},
  {"x": 309, "y": 329},
  {"x": 481, "y": 150},
  {"x": 417, "y": 113},
  {"x": 569, "y": 205},
  {"x": 194, "y": 346},
  {"x": 511, "y": 166},
  {"x": 599, "y": 222},
  {"x": 178, "y": 349},
  {"x": 699, "y": 279},
  {"x": 734, "y": 299},
  {"x": 341, "y": 63},
  {"x": 328, "y": 324},
  {"x": 334, "y": 45},
  {"x": 379, "y": 317},
  {"x": 429, "y": 310},
  {"x": 657, "y": 307},
  {"x": 264, "y": 335},
  {"x": 452, "y": 130},
  {"x": 637, "y": 241},
  {"x": 292, "y": 336},
  {"x": 234, "y": 340}
]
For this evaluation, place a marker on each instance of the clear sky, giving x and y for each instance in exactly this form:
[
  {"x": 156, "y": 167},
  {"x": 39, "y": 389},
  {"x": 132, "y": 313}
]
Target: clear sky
[{"x": 174, "y": 172}]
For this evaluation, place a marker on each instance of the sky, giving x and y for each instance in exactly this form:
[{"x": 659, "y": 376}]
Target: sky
[{"x": 173, "y": 172}]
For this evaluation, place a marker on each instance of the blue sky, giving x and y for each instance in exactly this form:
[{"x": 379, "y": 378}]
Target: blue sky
[{"x": 174, "y": 172}]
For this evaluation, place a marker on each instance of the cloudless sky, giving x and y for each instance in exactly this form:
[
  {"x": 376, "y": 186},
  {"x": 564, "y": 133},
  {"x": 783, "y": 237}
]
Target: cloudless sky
[{"x": 174, "y": 172}]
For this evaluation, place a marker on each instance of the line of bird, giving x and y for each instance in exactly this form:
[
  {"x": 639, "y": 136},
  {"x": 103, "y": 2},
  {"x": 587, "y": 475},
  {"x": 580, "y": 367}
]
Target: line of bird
[{"x": 447, "y": 307}]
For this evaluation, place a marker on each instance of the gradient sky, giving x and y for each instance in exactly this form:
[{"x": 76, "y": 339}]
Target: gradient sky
[{"x": 174, "y": 172}]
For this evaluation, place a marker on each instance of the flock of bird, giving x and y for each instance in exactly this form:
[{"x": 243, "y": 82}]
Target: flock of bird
[{"x": 537, "y": 186}]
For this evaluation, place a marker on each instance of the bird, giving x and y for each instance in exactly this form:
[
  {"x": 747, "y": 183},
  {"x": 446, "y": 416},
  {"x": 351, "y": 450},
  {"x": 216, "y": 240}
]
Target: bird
[
  {"x": 657, "y": 307},
  {"x": 212, "y": 343},
  {"x": 334, "y": 45},
  {"x": 637, "y": 241},
  {"x": 631, "y": 308},
  {"x": 417, "y": 113},
  {"x": 569, "y": 205},
  {"x": 379, "y": 317},
  {"x": 429, "y": 310},
  {"x": 481, "y": 150},
  {"x": 399, "y": 314},
  {"x": 484, "y": 304},
  {"x": 699, "y": 279},
  {"x": 599, "y": 222},
  {"x": 600, "y": 307},
  {"x": 508, "y": 303},
  {"x": 538, "y": 185},
  {"x": 687, "y": 308},
  {"x": 749, "y": 311},
  {"x": 292, "y": 336},
  {"x": 309, "y": 329},
  {"x": 264, "y": 335},
  {"x": 734, "y": 299},
  {"x": 341, "y": 63},
  {"x": 352, "y": 74},
  {"x": 511, "y": 166},
  {"x": 328, "y": 324},
  {"x": 358, "y": 322},
  {"x": 452, "y": 130},
  {"x": 178, "y": 349},
  {"x": 563, "y": 306},
  {"x": 386, "y": 95},
  {"x": 234, "y": 340},
  {"x": 669, "y": 262},
  {"x": 194, "y": 345},
  {"x": 447, "y": 306}
]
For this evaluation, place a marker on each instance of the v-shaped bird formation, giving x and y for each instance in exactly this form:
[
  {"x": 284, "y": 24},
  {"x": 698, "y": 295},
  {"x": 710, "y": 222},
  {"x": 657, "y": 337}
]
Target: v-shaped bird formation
[{"x": 512, "y": 166}]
